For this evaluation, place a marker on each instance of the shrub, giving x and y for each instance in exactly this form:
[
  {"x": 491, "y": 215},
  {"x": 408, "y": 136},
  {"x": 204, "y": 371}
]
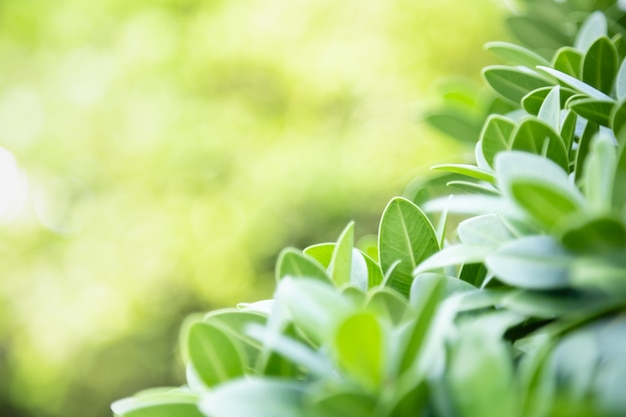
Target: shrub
[{"x": 505, "y": 299}]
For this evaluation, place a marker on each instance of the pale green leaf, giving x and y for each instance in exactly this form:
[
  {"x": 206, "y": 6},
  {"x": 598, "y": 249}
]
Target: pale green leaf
[
  {"x": 405, "y": 235},
  {"x": 359, "y": 346},
  {"x": 292, "y": 262},
  {"x": 516, "y": 54},
  {"x": 568, "y": 60},
  {"x": 341, "y": 260},
  {"x": 467, "y": 170},
  {"x": 535, "y": 136},
  {"x": 258, "y": 397},
  {"x": 550, "y": 110},
  {"x": 496, "y": 136},
  {"x": 214, "y": 354},
  {"x": 598, "y": 111},
  {"x": 454, "y": 255},
  {"x": 620, "y": 84},
  {"x": 594, "y": 27},
  {"x": 575, "y": 83},
  {"x": 600, "y": 65},
  {"x": 535, "y": 262},
  {"x": 514, "y": 83}
]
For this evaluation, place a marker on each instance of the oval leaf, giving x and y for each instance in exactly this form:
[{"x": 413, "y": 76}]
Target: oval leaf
[
  {"x": 514, "y": 83},
  {"x": 406, "y": 235},
  {"x": 535, "y": 262}
]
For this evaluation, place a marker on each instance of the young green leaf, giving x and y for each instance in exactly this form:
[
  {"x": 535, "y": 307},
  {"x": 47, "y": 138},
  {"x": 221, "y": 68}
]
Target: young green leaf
[
  {"x": 575, "y": 83},
  {"x": 591, "y": 129},
  {"x": 487, "y": 229},
  {"x": 602, "y": 235},
  {"x": 568, "y": 128},
  {"x": 514, "y": 83},
  {"x": 620, "y": 83},
  {"x": 538, "y": 186},
  {"x": 536, "y": 136},
  {"x": 314, "y": 306},
  {"x": 340, "y": 403},
  {"x": 480, "y": 374},
  {"x": 600, "y": 166},
  {"x": 568, "y": 60},
  {"x": 550, "y": 109},
  {"x": 214, "y": 354},
  {"x": 386, "y": 303},
  {"x": 496, "y": 136},
  {"x": 594, "y": 27},
  {"x": 292, "y": 262},
  {"x": 341, "y": 261},
  {"x": 468, "y": 170},
  {"x": 460, "y": 125},
  {"x": 158, "y": 402},
  {"x": 258, "y": 397},
  {"x": 515, "y": 54},
  {"x": 535, "y": 262},
  {"x": 537, "y": 33},
  {"x": 600, "y": 65},
  {"x": 454, "y": 255},
  {"x": 406, "y": 235},
  {"x": 619, "y": 182},
  {"x": 618, "y": 118},
  {"x": 322, "y": 253},
  {"x": 533, "y": 101},
  {"x": 597, "y": 111},
  {"x": 359, "y": 346}
]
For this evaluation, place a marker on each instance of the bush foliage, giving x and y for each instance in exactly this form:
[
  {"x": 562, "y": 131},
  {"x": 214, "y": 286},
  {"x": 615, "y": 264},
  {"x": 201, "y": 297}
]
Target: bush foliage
[{"x": 504, "y": 299}]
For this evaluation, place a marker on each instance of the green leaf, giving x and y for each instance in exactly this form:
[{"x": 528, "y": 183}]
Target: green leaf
[
  {"x": 536, "y": 33},
  {"x": 594, "y": 27},
  {"x": 213, "y": 353},
  {"x": 534, "y": 135},
  {"x": 583, "y": 148},
  {"x": 344, "y": 403},
  {"x": 619, "y": 181},
  {"x": 538, "y": 186},
  {"x": 620, "y": 83},
  {"x": 158, "y": 402},
  {"x": 535, "y": 262},
  {"x": 322, "y": 253},
  {"x": 496, "y": 136},
  {"x": 618, "y": 118},
  {"x": 387, "y": 303},
  {"x": 487, "y": 229},
  {"x": 597, "y": 111},
  {"x": 515, "y": 54},
  {"x": 314, "y": 306},
  {"x": 427, "y": 291},
  {"x": 568, "y": 60},
  {"x": 568, "y": 129},
  {"x": 455, "y": 123},
  {"x": 600, "y": 65},
  {"x": 514, "y": 83},
  {"x": 374, "y": 274},
  {"x": 341, "y": 262},
  {"x": 468, "y": 170},
  {"x": 235, "y": 322},
  {"x": 533, "y": 101},
  {"x": 480, "y": 374},
  {"x": 550, "y": 109},
  {"x": 600, "y": 166},
  {"x": 292, "y": 262},
  {"x": 258, "y": 397},
  {"x": 575, "y": 83},
  {"x": 359, "y": 346},
  {"x": 406, "y": 235},
  {"x": 602, "y": 235},
  {"x": 454, "y": 255}
]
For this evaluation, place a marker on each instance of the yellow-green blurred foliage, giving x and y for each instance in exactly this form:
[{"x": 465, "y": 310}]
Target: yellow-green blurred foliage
[{"x": 173, "y": 147}]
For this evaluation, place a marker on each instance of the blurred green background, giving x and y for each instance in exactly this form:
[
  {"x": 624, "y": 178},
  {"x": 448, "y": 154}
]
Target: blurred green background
[{"x": 170, "y": 148}]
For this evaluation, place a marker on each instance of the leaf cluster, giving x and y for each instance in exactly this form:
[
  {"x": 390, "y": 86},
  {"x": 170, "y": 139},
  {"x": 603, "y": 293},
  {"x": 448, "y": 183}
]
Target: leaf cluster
[{"x": 517, "y": 310}]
